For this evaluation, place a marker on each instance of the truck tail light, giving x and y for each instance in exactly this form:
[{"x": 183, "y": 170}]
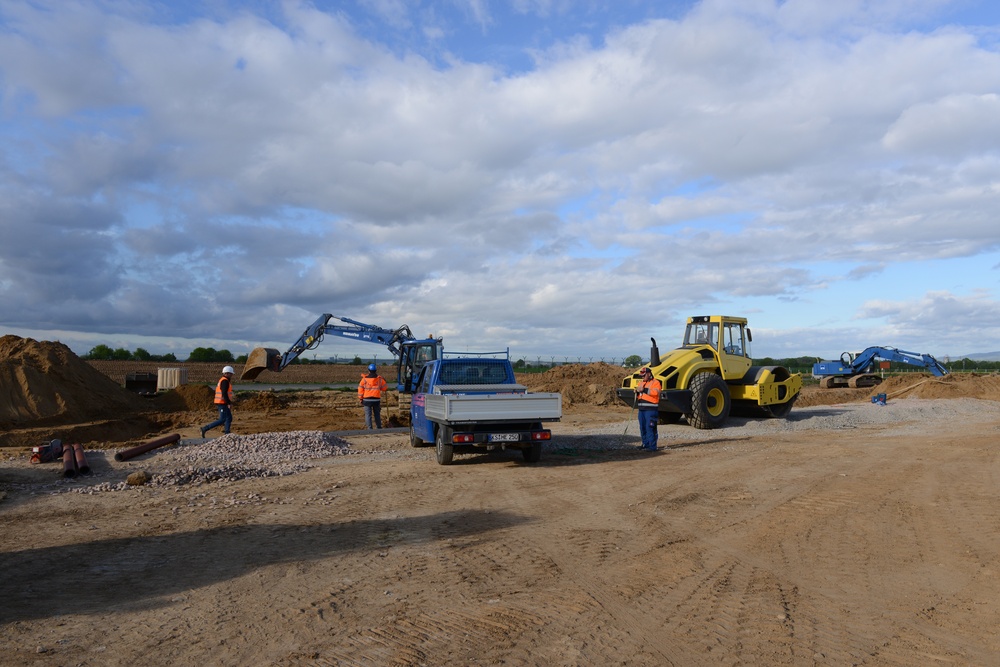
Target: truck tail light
[
  {"x": 541, "y": 435},
  {"x": 463, "y": 437}
]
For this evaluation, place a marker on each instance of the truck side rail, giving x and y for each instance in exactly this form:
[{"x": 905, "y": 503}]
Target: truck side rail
[{"x": 480, "y": 388}]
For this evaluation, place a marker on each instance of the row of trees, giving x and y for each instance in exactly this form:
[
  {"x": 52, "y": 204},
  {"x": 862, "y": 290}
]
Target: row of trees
[
  {"x": 104, "y": 352},
  {"x": 794, "y": 364},
  {"x": 198, "y": 354}
]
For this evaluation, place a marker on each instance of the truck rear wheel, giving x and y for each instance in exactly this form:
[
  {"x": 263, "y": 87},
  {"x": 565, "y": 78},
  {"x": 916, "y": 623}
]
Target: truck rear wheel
[
  {"x": 710, "y": 401},
  {"x": 442, "y": 441}
]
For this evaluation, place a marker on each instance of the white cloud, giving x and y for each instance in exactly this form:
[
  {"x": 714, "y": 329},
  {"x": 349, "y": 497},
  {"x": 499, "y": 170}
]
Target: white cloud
[
  {"x": 952, "y": 127},
  {"x": 746, "y": 153}
]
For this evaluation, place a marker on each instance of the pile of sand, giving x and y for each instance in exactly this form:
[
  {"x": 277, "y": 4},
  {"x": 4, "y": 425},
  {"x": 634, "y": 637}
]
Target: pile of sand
[
  {"x": 580, "y": 384},
  {"x": 45, "y": 383},
  {"x": 264, "y": 401},
  {"x": 910, "y": 385},
  {"x": 956, "y": 385},
  {"x": 185, "y": 398}
]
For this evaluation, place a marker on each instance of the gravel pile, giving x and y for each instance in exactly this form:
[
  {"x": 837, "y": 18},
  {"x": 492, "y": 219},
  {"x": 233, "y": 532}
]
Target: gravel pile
[{"x": 233, "y": 457}]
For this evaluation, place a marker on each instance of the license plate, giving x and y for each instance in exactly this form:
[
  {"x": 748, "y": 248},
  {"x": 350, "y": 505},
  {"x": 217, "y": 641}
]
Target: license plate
[{"x": 504, "y": 437}]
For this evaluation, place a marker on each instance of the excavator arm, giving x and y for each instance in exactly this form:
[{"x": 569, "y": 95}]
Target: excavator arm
[
  {"x": 269, "y": 359},
  {"x": 926, "y": 361}
]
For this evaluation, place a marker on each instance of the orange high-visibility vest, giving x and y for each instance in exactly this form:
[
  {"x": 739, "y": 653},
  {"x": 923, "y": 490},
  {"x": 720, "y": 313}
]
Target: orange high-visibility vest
[
  {"x": 371, "y": 387},
  {"x": 652, "y": 399},
  {"x": 219, "y": 398}
]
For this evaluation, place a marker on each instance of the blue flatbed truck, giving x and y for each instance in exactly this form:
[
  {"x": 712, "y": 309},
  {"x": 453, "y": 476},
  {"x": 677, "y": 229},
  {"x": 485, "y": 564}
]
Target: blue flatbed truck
[{"x": 476, "y": 403}]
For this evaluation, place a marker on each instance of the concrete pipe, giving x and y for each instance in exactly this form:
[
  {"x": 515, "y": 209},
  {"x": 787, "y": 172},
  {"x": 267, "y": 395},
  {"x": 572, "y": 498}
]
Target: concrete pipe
[{"x": 142, "y": 449}]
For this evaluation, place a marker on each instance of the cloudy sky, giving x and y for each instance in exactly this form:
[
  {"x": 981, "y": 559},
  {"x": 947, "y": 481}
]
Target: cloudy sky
[{"x": 566, "y": 178}]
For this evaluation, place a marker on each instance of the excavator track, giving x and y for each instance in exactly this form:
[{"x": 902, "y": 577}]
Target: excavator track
[{"x": 865, "y": 380}]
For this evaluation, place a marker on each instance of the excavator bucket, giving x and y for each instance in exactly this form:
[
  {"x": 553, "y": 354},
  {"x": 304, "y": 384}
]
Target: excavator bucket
[{"x": 261, "y": 359}]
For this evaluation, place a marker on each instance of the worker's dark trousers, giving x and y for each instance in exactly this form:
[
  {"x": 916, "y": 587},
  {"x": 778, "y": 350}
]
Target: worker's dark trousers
[
  {"x": 225, "y": 419},
  {"x": 648, "y": 419},
  {"x": 373, "y": 407}
]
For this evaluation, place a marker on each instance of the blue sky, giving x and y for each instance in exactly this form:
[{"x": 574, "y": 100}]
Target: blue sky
[{"x": 562, "y": 178}]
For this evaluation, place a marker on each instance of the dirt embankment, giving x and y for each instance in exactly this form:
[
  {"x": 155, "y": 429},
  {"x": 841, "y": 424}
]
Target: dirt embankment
[
  {"x": 45, "y": 383},
  {"x": 910, "y": 385}
]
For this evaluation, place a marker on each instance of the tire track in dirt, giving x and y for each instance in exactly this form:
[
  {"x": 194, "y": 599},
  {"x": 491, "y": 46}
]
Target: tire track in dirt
[
  {"x": 823, "y": 622},
  {"x": 593, "y": 560},
  {"x": 428, "y": 559}
]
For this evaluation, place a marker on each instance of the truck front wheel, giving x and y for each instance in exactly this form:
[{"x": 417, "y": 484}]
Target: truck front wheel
[
  {"x": 442, "y": 441},
  {"x": 710, "y": 401},
  {"x": 414, "y": 440}
]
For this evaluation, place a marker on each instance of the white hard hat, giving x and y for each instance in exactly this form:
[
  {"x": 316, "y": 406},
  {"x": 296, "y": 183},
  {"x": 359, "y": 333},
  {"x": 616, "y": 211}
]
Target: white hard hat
[{"x": 228, "y": 369}]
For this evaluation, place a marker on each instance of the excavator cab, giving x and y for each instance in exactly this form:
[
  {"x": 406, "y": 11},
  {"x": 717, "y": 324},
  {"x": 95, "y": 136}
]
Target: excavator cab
[{"x": 413, "y": 355}]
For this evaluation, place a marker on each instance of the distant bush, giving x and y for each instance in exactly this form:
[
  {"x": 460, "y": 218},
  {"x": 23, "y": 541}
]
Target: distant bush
[{"x": 204, "y": 354}]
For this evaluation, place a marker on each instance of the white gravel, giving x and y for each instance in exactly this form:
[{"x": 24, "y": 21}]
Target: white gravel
[{"x": 230, "y": 457}]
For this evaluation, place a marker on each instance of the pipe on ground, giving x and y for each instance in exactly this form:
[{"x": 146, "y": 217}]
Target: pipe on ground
[
  {"x": 142, "y": 449},
  {"x": 69, "y": 462},
  {"x": 81, "y": 459}
]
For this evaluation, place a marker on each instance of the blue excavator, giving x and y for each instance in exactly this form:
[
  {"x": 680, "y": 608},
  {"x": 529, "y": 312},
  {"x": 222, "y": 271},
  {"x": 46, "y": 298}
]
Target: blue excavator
[
  {"x": 856, "y": 370},
  {"x": 411, "y": 353}
]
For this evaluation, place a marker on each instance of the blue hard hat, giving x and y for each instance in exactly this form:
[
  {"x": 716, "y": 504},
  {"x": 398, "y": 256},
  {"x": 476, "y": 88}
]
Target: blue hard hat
[{"x": 371, "y": 367}]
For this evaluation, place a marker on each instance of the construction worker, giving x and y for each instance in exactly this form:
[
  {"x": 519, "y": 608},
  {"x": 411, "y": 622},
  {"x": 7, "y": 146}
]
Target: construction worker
[
  {"x": 647, "y": 394},
  {"x": 370, "y": 394},
  {"x": 224, "y": 397}
]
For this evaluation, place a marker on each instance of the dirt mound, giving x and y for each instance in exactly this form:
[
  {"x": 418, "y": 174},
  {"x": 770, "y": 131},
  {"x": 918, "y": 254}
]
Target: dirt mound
[
  {"x": 910, "y": 385},
  {"x": 186, "y": 398},
  {"x": 263, "y": 401},
  {"x": 955, "y": 385},
  {"x": 45, "y": 383},
  {"x": 580, "y": 384}
]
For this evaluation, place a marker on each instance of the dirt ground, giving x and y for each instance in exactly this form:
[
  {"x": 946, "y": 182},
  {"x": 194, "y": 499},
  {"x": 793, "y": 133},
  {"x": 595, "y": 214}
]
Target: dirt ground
[{"x": 849, "y": 534}]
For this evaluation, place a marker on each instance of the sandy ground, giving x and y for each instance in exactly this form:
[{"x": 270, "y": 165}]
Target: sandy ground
[{"x": 849, "y": 534}]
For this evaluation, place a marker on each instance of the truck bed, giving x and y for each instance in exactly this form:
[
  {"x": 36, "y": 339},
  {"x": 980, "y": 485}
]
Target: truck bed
[{"x": 485, "y": 407}]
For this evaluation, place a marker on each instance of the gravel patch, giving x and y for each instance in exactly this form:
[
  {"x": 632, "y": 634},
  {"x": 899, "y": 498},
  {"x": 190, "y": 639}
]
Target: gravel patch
[{"x": 232, "y": 457}]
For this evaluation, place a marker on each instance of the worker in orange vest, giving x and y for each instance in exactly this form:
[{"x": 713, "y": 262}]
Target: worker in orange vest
[
  {"x": 224, "y": 397},
  {"x": 370, "y": 394},
  {"x": 647, "y": 394}
]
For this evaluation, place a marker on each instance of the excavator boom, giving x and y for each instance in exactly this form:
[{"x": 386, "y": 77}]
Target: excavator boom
[{"x": 397, "y": 340}]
